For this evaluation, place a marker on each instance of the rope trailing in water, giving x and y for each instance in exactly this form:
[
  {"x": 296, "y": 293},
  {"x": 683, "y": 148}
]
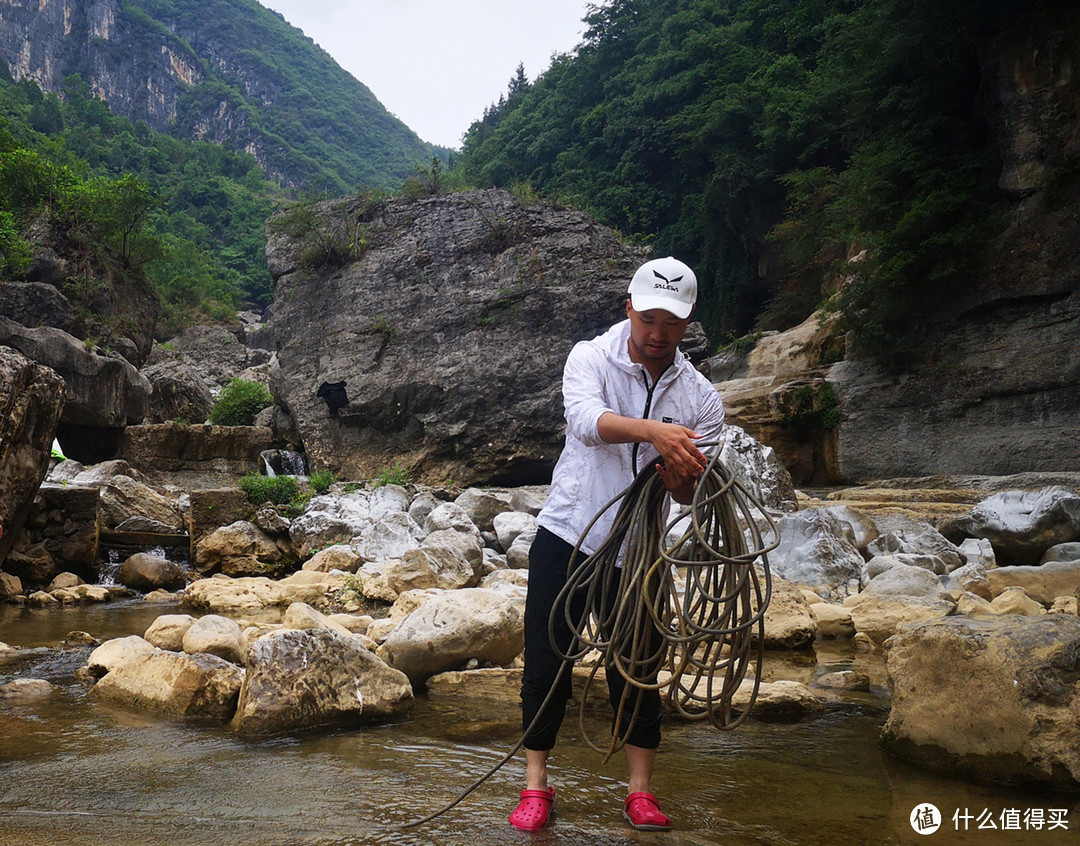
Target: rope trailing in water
[{"x": 695, "y": 645}]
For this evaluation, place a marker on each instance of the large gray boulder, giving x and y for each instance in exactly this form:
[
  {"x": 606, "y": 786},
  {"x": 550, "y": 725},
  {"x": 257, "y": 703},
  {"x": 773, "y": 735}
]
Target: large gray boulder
[
  {"x": 35, "y": 304},
  {"x": 199, "y": 687},
  {"x": 990, "y": 697},
  {"x": 31, "y": 401},
  {"x": 816, "y": 550},
  {"x": 102, "y": 391},
  {"x": 461, "y": 311},
  {"x": 452, "y": 627},
  {"x": 1022, "y": 525},
  {"x": 178, "y": 393},
  {"x": 302, "y": 679}
]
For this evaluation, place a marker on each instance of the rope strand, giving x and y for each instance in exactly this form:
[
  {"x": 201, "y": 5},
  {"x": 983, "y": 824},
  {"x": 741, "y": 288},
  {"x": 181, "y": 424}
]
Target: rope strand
[{"x": 695, "y": 646}]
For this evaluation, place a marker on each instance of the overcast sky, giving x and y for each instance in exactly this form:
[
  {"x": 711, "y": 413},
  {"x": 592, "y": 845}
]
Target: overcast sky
[{"x": 437, "y": 64}]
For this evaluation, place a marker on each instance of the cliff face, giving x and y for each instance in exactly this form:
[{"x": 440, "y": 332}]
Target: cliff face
[
  {"x": 228, "y": 71},
  {"x": 447, "y": 333},
  {"x": 996, "y": 386},
  {"x": 46, "y": 40}
]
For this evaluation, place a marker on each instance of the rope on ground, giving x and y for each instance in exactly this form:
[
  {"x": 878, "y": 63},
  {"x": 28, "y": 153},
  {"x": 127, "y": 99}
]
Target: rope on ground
[{"x": 694, "y": 645}]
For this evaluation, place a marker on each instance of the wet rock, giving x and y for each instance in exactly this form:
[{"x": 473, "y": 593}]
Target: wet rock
[
  {"x": 114, "y": 652},
  {"x": 843, "y": 680},
  {"x": 168, "y": 630},
  {"x": 989, "y": 698},
  {"x": 145, "y": 572},
  {"x": 779, "y": 701},
  {"x": 10, "y": 587},
  {"x": 832, "y": 620},
  {"x": 451, "y": 627},
  {"x": 24, "y": 690},
  {"x": 301, "y": 679},
  {"x": 1022, "y": 525},
  {"x": 65, "y": 580},
  {"x": 198, "y": 687},
  {"x": 216, "y": 635}
]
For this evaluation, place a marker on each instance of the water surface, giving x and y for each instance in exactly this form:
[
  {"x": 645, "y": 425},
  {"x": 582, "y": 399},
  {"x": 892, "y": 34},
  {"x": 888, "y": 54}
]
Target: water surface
[{"x": 80, "y": 773}]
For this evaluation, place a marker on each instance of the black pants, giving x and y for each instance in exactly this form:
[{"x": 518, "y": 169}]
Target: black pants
[{"x": 549, "y": 558}]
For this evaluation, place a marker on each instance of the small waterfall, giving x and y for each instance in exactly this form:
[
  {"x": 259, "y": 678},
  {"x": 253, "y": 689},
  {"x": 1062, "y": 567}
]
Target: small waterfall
[
  {"x": 111, "y": 558},
  {"x": 283, "y": 462}
]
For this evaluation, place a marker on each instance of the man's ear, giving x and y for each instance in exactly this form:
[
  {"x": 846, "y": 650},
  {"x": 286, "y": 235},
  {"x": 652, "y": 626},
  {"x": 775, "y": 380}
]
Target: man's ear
[{"x": 629, "y": 307}]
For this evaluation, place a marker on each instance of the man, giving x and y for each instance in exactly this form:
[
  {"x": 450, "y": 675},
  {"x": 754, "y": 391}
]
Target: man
[{"x": 630, "y": 396}]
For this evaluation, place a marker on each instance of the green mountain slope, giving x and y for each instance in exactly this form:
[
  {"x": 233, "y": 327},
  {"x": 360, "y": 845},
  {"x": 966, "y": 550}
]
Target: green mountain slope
[
  {"x": 768, "y": 142},
  {"x": 229, "y": 71}
]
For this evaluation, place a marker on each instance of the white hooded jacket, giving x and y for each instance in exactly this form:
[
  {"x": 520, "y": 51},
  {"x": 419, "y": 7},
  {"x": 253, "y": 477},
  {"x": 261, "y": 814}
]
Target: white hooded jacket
[{"x": 600, "y": 377}]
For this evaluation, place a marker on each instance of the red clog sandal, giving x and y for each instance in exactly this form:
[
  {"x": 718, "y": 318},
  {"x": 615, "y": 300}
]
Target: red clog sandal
[
  {"x": 643, "y": 813},
  {"x": 534, "y": 810}
]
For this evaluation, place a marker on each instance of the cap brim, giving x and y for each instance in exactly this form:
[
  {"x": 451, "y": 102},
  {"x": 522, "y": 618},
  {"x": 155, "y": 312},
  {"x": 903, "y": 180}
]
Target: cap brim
[{"x": 643, "y": 302}]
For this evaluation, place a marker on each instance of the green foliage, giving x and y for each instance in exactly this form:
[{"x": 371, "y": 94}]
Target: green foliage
[
  {"x": 395, "y": 474},
  {"x": 239, "y": 403},
  {"x": 279, "y": 490},
  {"x": 321, "y": 480},
  {"x": 765, "y": 142},
  {"x": 815, "y": 406}
]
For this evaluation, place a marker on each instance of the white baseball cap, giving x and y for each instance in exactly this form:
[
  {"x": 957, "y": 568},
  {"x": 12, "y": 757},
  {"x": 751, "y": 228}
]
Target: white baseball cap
[{"x": 664, "y": 283}]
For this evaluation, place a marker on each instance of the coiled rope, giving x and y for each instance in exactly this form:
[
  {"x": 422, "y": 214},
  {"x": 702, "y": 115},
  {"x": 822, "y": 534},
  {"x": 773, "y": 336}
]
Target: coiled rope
[{"x": 694, "y": 645}]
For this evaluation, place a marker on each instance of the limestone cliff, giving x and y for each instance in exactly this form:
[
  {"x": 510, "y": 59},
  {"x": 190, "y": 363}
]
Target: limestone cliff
[
  {"x": 447, "y": 320},
  {"x": 995, "y": 388},
  {"x": 230, "y": 72}
]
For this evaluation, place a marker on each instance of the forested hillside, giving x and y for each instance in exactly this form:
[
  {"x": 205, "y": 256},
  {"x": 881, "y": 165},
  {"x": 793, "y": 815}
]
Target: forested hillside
[
  {"x": 229, "y": 71},
  {"x": 769, "y": 142},
  {"x": 104, "y": 192}
]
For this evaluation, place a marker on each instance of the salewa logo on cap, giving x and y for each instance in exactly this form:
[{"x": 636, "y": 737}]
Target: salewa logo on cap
[{"x": 668, "y": 284}]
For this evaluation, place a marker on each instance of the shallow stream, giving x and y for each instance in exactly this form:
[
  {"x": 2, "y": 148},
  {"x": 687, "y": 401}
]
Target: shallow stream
[{"x": 79, "y": 773}]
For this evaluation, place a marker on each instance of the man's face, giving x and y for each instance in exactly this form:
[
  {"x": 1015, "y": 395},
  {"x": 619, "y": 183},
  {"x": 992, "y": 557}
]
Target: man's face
[{"x": 654, "y": 334}]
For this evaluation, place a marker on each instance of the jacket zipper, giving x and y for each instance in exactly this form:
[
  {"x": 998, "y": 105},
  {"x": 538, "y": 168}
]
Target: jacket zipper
[{"x": 648, "y": 407}]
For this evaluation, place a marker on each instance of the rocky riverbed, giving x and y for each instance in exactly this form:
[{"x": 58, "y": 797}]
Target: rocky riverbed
[{"x": 340, "y": 613}]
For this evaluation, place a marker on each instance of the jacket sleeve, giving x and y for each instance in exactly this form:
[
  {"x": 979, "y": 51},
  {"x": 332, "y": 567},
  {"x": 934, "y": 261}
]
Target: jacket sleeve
[
  {"x": 584, "y": 393},
  {"x": 710, "y": 423}
]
